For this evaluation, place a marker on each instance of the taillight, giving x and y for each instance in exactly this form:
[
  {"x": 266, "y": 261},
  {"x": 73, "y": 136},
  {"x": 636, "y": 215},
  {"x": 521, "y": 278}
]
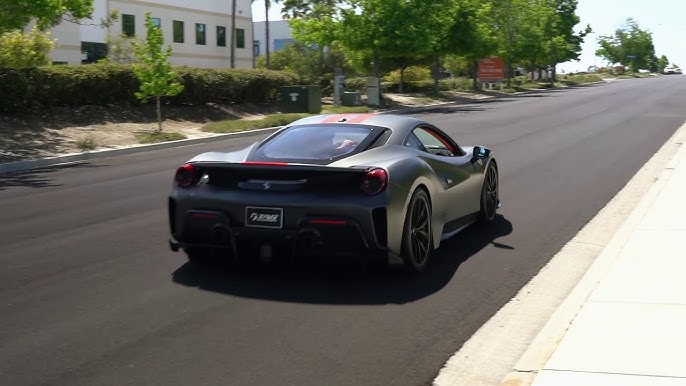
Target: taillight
[
  {"x": 374, "y": 181},
  {"x": 187, "y": 175}
]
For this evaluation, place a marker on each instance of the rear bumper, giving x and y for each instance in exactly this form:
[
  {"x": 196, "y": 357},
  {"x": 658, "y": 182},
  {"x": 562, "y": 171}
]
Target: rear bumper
[
  {"x": 343, "y": 222},
  {"x": 311, "y": 233}
]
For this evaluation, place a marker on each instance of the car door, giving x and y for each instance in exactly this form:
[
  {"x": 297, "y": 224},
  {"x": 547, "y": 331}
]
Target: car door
[{"x": 455, "y": 170}]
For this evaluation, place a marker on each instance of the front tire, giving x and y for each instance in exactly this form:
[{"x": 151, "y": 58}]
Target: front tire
[
  {"x": 417, "y": 243},
  {"x": 489, "y": 195}
]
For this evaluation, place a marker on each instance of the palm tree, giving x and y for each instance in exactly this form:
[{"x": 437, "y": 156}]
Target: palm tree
[
  {"x": 233, "y": 34},
  {"x": 267, "y": 6}
]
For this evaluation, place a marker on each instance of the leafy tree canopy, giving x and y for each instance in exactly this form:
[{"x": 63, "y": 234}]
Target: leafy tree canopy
[
  {"x": 629, "y": 45},
  {"x": 17, "y": 14}
]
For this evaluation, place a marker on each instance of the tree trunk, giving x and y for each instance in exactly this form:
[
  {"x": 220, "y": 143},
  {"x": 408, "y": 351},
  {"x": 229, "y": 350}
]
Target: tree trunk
[
  {"x": 377, "y": 74},
  {"x": 159, "y": 114},
  {"x": 475, "y": 74},
  {"x": 437, "y": 64},
  {"x": 266, "y": 29},
  {"x": 552, "y": 62},
  {"x": 233, "y": 34},
  {"x": 402, "y": 79},
  {"x": 377, "y": 65}
]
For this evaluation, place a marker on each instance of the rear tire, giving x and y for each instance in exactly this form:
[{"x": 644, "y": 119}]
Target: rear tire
[
  {"x": 417, "y": 244},
  {"x": 489, "y": 195}
]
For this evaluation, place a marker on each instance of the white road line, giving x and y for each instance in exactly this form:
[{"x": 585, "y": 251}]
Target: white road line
[{"x": 509, "y": 348}]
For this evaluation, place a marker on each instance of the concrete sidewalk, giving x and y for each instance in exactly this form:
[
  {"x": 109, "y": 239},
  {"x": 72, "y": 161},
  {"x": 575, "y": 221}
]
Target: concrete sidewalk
[{"x": 631, "y": 328}]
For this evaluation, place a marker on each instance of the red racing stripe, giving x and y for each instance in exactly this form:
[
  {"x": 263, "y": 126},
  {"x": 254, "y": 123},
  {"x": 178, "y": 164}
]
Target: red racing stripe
[
  {"x": 334, "y": 118},
  {"x": 349, "y": 118},
  {"x": 359, "y": 118}
]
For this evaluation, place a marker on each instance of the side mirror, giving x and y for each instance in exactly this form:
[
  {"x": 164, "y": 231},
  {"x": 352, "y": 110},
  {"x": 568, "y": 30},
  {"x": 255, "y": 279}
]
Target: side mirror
[{"x": 481, "y": 152}]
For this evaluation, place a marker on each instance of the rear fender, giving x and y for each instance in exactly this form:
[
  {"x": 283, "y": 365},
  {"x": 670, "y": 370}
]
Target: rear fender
[{"x": 404, "y": 178}]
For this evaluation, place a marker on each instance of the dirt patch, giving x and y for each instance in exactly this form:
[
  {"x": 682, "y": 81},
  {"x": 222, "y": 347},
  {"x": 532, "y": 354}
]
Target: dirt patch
[{"x": 44, "y": 133}]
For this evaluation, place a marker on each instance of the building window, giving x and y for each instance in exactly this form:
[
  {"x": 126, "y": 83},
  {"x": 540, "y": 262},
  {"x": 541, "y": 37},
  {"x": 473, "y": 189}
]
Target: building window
[
  {"x": 178, "y": 31},
  {"x": 156, "y": 21},
  {"x": 221, "y": 36},
  {"x": 128, "y": 24},
  {"x": 240, "y": 38},
  {"x": 280, "y": 44},
  {"x": 93, "y": 51},
  {"x": 256, "y": 48},
  {"x": 200, "y": 34}
]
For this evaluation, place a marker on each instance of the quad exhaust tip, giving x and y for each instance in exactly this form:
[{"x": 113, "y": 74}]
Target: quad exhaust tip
[{"x": 220, "y": 234}]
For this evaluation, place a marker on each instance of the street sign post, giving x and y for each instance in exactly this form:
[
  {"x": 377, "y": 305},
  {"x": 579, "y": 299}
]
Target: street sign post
[{"x": 491, "y": 70}]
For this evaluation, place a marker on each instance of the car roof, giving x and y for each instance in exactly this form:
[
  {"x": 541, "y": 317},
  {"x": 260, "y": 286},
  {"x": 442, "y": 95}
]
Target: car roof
[{"x": 392, "y": 121}]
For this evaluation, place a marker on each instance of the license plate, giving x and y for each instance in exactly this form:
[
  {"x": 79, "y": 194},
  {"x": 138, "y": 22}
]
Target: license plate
[{"x": 261, "y": 217}]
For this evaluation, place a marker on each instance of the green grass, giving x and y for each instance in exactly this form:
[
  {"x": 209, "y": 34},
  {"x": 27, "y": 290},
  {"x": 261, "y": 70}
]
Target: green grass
[
  {"x": 273, "y": 120},
  {"x": 581, "y": 79},
  {"x": 158, "y": 136}
]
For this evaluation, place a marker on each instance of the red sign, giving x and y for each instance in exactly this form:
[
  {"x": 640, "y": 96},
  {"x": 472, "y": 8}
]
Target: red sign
[{"x": 492, "y": 70}]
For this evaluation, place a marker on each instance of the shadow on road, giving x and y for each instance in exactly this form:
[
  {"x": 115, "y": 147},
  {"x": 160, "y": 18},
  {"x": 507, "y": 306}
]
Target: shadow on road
[
  {"x": 347, "y": 282},
  {"x": 37, "y": 178}
]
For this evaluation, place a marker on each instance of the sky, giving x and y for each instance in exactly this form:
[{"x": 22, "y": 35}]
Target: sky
[{"x": 665, "y": 19}]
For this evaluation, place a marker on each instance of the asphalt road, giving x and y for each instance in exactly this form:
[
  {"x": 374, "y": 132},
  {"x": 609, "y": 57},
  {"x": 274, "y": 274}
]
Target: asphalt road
[{"x": 91, "y": 294}]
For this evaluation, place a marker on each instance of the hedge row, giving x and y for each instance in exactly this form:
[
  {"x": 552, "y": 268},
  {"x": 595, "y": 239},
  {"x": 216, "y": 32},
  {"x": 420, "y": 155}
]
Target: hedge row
[
  {"x": 418, "y": 86},
  {"x": 103, "y": 84}
]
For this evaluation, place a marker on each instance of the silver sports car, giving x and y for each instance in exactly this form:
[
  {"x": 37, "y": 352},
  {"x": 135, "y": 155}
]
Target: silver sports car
[{"x": 378, "y": 185}]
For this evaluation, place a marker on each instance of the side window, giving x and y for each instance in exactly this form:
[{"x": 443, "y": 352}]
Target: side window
[
  {"x": 434, "y": 142},
  {"x": 414, "y": 143}
]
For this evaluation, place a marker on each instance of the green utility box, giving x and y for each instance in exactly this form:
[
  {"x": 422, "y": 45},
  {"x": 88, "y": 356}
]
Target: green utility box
[
  {"x": 301, "y": 99},
  {"x": 351, "y": 98}
]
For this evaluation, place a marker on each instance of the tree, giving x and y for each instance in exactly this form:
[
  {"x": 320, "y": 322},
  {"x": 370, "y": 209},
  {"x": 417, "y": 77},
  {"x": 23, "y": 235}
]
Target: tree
[
  {"x": 120, "y": 49},
  {"x": 233, "y": 34},
  {"x": 399, "y": 31},
  {"x": 662, "y": 62},
  {"x": 509, "y": 21},
  {"x": 295, "y": 9},
  {"x": 153, "y": 69},
  {"x": 565, "y": 43},
  {"x": 470, "y": 37},
  {"x": 629, "y": 45},
  {"x": 17, "y": 14},
  {"x": 267, "y": 48},
  {"x": 313, "y": 24},
  {"x": 19, "y": 49}
]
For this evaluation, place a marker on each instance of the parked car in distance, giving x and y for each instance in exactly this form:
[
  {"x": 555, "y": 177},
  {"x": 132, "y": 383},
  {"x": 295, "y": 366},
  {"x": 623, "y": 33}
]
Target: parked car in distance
[{"x": 670, "y": 70}]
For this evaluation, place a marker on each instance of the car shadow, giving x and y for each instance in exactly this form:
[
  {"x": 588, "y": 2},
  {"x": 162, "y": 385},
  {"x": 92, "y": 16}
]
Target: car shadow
[
  {"x": 343, "y": 283},
  {"x": 37, "y": 178}
]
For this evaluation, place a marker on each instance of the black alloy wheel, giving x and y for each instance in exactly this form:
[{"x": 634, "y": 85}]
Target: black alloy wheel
[
  {"x": 417, "y": 237},
  {"x": 489, "y": 195}
]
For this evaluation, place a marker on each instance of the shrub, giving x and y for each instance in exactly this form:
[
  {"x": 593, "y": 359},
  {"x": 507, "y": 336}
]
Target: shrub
[
  {"x": 19, "y": 49},
  {"x": 356, "y": 84},
  {"x": 411, "y": 74},
  {"x": 109, "y": 83},
  {"x": 408, "y": 87}
]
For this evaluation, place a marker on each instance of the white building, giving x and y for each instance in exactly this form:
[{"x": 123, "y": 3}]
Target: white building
[
  {"x": 279, "y": 34},
  {"x": 198, "y": 32}
]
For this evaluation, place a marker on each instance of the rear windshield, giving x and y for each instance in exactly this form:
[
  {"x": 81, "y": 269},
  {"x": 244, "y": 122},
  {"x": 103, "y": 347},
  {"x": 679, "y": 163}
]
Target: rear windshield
[{"x": 311, "y": 143}]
